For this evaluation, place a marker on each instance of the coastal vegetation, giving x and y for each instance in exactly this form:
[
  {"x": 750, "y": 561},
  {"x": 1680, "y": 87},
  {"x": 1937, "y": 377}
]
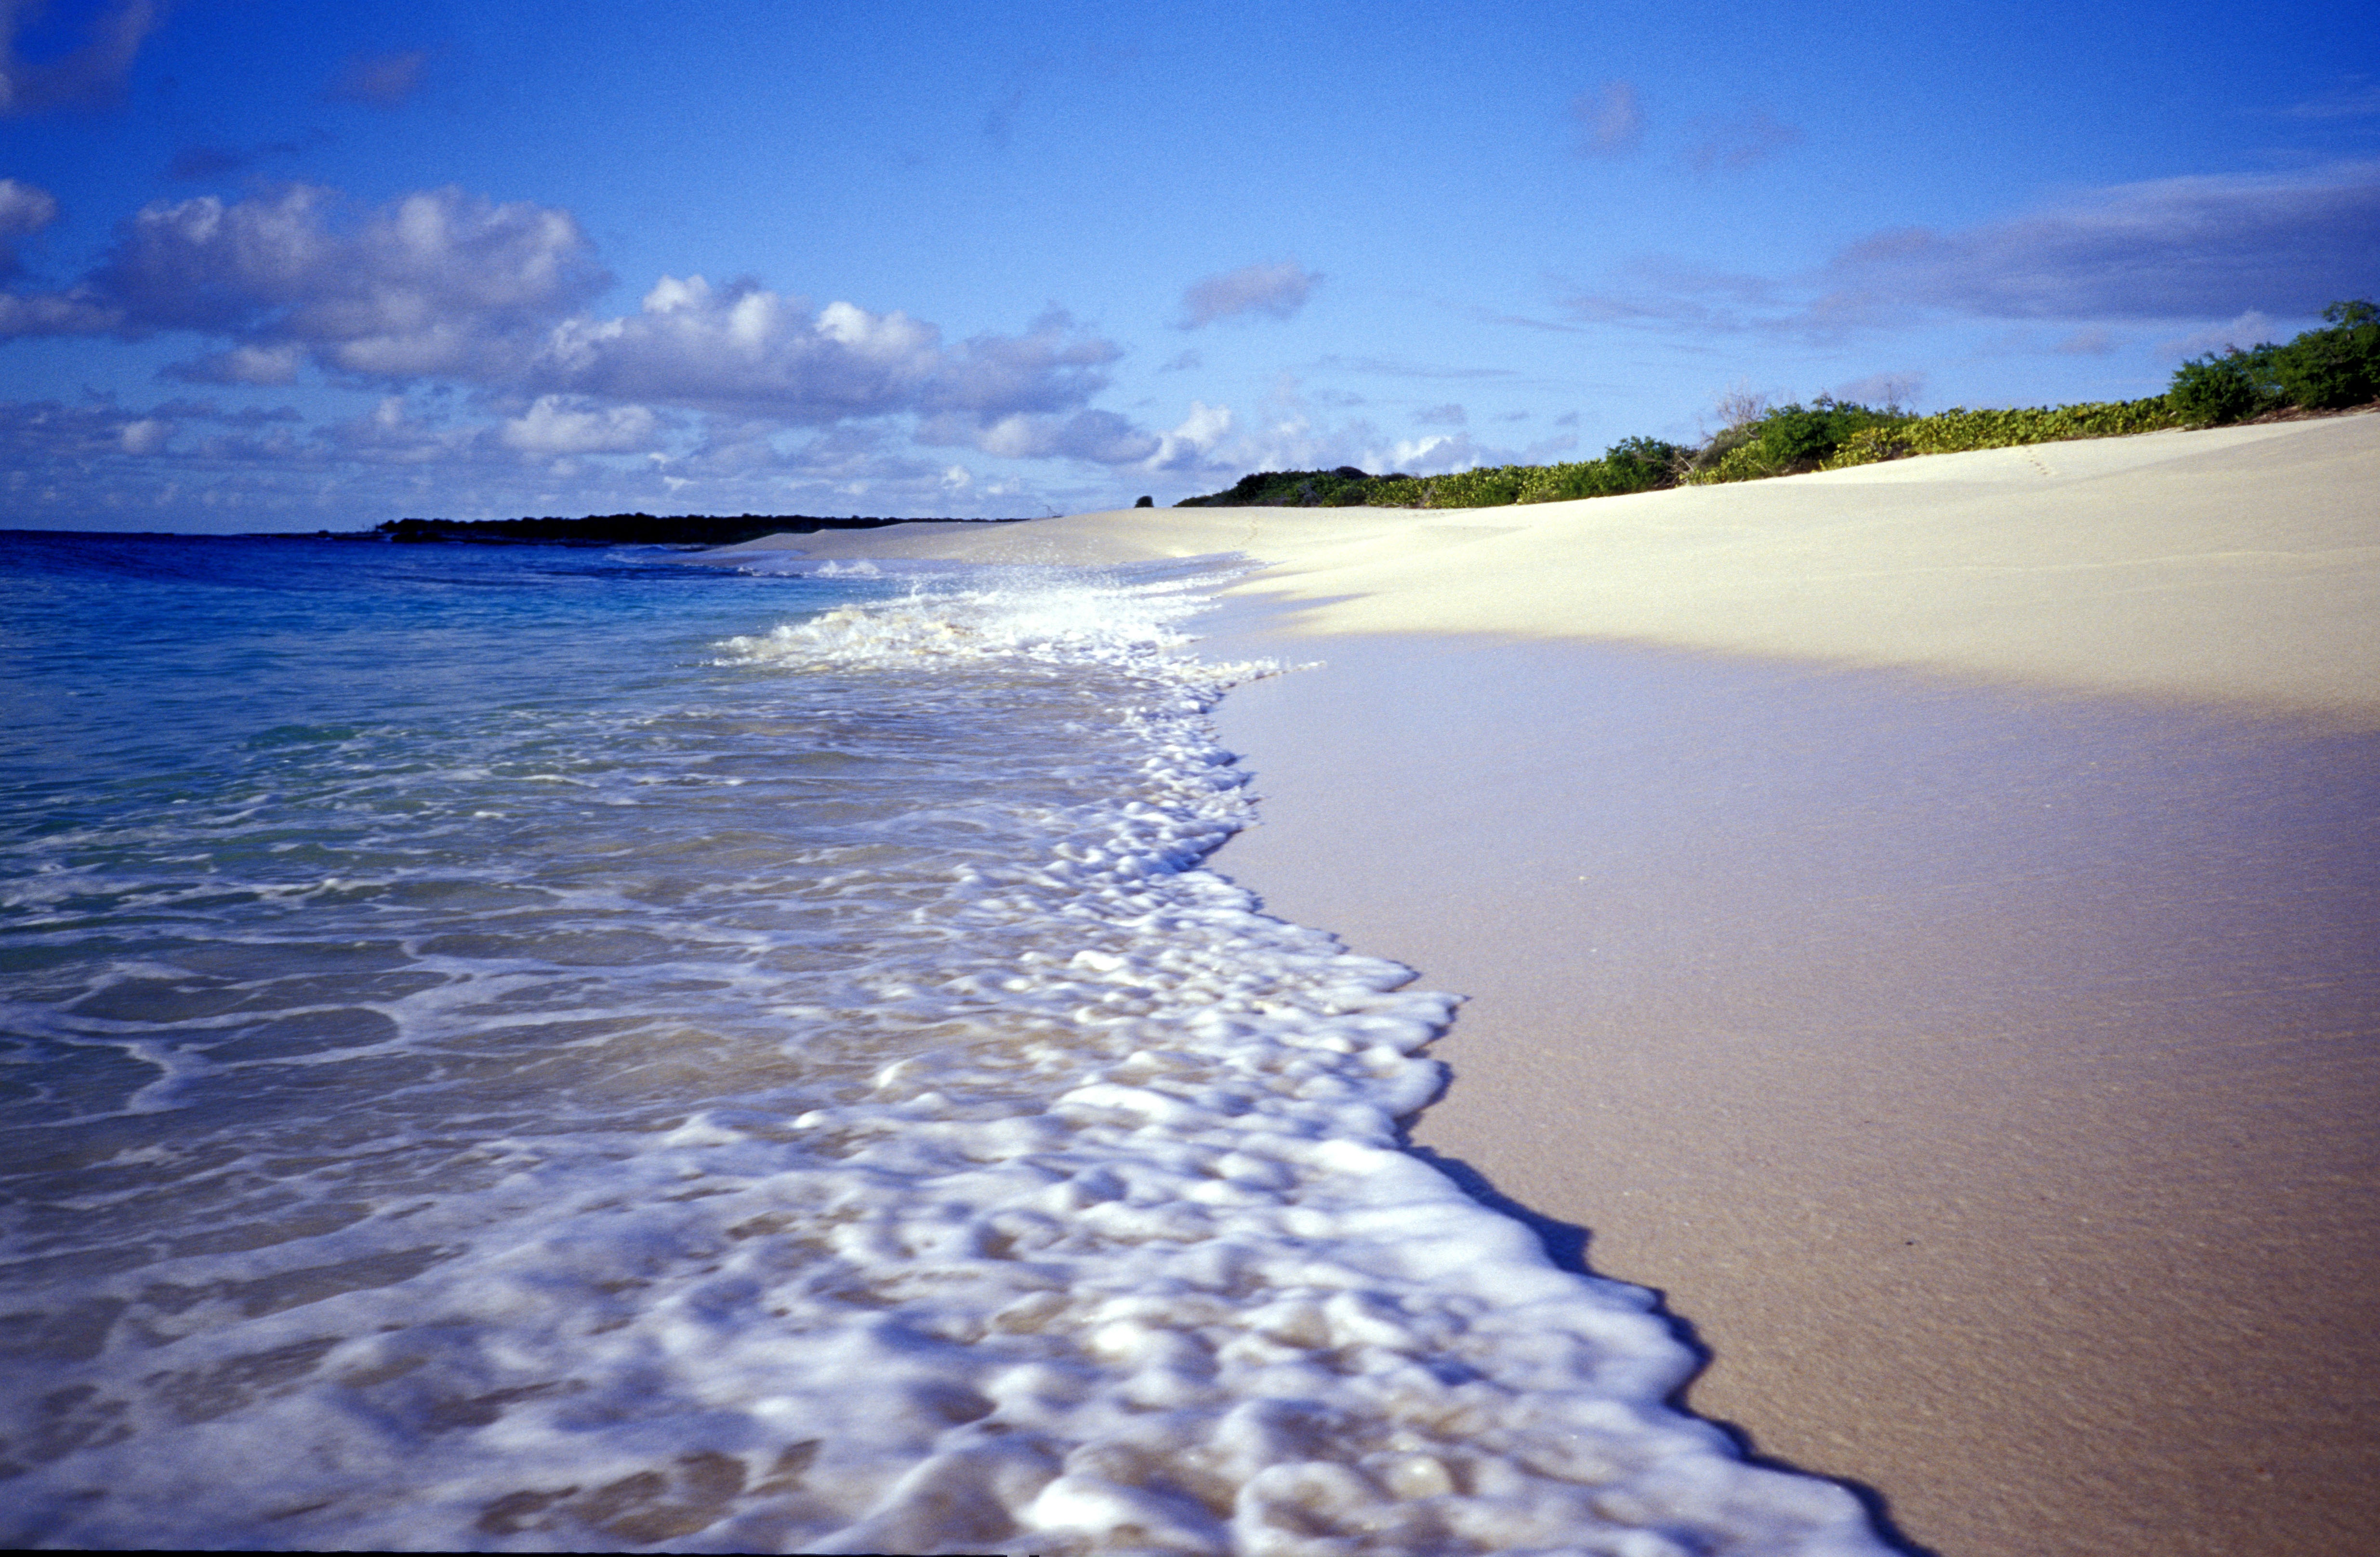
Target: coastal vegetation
[{"x": 2324, "y": 370}]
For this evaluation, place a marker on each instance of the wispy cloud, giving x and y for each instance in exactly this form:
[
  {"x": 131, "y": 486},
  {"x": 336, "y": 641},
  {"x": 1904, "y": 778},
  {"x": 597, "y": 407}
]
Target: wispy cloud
[
  {"x": 2355, "y": 97},
  {"x": 196, "y": 163},
  {"x": 88, "y": 75},
  {"x": 1610, "y": 118},
  {"x": 2176, "y": 249},
  {"x": 1740, "y": 141},
  {"x": 2188, "y": 247},
  {"x": 1277, "y": 291},
  {"x": 1393, "y": 367},
  {"x": 25, "y": 208},
  {"x": 1896, "y": 390},
  {"x": 2252, "y": 328},
  {"x": 383, "y": 81},
  {"x": 2090, "y": 341}
]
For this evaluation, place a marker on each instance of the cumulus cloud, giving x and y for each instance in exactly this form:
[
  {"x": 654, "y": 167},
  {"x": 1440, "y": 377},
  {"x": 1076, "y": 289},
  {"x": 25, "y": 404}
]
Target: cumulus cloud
[
  {"x": 433, "y": 282},
  {"x": 1095, "y": 437},
  {"x": 745, "y": 347},
  {"x": 145, "y": 436},
  {"x": 78, "y": 313},
  {"x": 1610, "y": 121},
  {"x": 1189, "y": 444},
  {"x": 91, "y": 73},
  {"x": 383, "y": 81},
  {"x": 242, "y": 364},
  {"x": 443, "y": 285},
  {"x": 1276, "y": 290},
  {"x": 439, "y": 290},
  {"x": 553, "y": 425}
]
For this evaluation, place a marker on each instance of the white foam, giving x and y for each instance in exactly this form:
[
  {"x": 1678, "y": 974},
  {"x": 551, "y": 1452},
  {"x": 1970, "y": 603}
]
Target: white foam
[{"x": 1108, "y": 1246}]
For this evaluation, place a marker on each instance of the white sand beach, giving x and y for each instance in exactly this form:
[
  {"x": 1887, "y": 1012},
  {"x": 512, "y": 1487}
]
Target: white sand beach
[{"x": 1923, "y": 919}]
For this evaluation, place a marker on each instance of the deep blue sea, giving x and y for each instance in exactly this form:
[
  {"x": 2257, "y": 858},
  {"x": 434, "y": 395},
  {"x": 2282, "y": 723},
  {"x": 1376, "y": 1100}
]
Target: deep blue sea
[{"x": 556, "y": 1049}]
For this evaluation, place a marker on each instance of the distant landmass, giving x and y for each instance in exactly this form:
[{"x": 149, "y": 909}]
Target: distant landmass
[{"x": 632, "y": 529}]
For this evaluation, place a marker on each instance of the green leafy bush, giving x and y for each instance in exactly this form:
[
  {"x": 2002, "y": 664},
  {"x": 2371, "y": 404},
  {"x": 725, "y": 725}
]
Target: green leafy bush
[
  {"x": 2320, "y": 370},
  {"x": 1631, "y": 464},
  {"x": 1293, "y": 489},
  {"x": 1786, "y": 439},
  {"x": 2211, "y": 391},
  {"x": 1958, "y": 431},
  {"x": 2324, "y": 370}
]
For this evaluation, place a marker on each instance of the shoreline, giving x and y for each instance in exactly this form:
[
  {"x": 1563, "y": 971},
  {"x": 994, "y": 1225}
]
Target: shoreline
[{"x": 1919, "y": 917}]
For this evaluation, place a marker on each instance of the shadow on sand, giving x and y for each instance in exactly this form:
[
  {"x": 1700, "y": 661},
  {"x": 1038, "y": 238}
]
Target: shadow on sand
[{"x": 1566, "y": 1246}]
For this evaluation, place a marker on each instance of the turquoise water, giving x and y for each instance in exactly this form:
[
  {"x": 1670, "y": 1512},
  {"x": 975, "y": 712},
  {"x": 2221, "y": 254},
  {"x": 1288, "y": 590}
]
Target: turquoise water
[{"x": 546, "y": 1048}]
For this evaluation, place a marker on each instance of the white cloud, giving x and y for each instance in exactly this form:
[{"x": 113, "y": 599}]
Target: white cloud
[
  {"x": 1276, "y": 290},
  {"x": 1186, "y": 445},
  {"x": 440, "y": 289},
  {"x": 434, "y": 282},
  {"x": 243, "y": 364},
  {"x": 77, "y": 312},
  {"x": 25, "y": 208},
  {"x": 750, "y": 349},
  {"x": 552, "y": 426},
  {"x": 443, "y": 285},
  {"x": 1094, "y": 437}
]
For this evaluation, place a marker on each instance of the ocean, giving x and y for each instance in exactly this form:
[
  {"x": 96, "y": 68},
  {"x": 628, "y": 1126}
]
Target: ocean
[{"x": 544, "y": 1049}]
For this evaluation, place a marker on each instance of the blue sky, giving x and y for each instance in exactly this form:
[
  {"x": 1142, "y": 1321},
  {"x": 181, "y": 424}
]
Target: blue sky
[{"x": 271, "y": 266}]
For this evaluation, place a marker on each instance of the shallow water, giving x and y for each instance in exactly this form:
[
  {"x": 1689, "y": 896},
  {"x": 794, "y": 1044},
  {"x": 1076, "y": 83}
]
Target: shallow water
[{"x": 551, "y": 1049}]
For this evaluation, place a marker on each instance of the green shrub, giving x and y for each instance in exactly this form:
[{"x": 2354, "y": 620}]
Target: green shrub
[
  {"x": 1290, "y": 489},
  {"x": 1959, "y": 429},
  {"x": 2320, "y": 370},
  {"x": 2211, "y": 391},
  {"x": 1630, "y": 465},
  {"x": 1786, "y": 439},
  {"x": 2324, "y": 370}
]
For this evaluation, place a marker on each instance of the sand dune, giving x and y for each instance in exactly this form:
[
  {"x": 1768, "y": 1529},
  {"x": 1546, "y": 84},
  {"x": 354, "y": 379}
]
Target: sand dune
[{"x": 1924, "y": 919}]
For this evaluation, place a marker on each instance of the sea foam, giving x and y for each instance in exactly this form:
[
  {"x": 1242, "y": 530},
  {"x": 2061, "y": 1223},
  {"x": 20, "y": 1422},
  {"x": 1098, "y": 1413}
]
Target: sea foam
[{"x": 1076, "y": 1220}]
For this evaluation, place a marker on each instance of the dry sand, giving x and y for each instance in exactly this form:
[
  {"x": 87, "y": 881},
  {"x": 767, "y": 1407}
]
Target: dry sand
[{"x": 1923, "y": 919}]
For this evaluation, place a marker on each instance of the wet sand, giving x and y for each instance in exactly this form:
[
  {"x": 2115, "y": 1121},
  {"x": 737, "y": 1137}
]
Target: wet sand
[
  {"x": 1987, "y": 1077},
  {"x": 1923, "y": 919}
]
